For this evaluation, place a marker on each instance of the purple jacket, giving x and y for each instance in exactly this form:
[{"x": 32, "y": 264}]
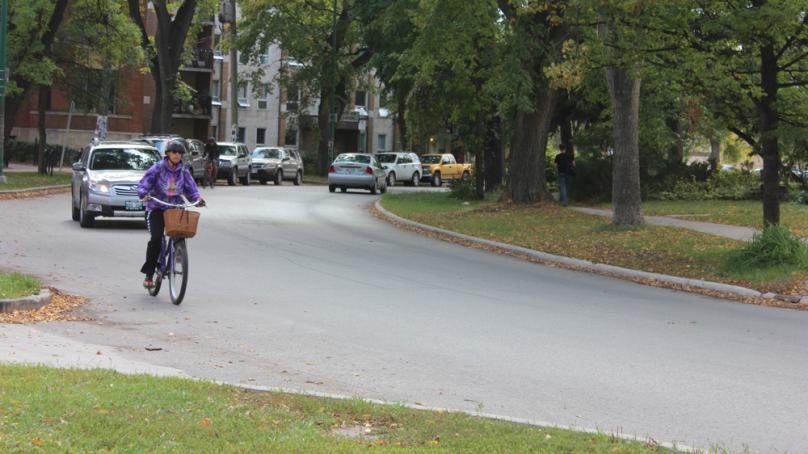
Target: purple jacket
[{"x": 167, "y": 185}]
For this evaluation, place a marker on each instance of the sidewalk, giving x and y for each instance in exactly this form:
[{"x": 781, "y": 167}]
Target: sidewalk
[
  {"x": 24, "y": 167},
  {"x": 728, "y": 231}
]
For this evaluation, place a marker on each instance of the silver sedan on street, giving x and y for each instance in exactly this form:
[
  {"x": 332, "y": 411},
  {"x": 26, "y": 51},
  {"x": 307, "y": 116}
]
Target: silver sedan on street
[{"x": 357, "y": 170}]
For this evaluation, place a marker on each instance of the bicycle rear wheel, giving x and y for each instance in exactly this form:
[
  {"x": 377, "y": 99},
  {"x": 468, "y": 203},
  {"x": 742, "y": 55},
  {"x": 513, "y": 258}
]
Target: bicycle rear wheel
[{"x": 178, "y": 271}]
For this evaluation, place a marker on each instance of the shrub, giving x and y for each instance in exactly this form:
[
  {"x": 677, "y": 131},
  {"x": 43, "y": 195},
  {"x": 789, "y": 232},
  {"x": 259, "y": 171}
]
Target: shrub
[
  {"x": 719, "y": 186},
  {"x": 774, "y": 247},
  {"x": 463, "y": 191},
  {"x": 592, "y": 180},
  {"x": 26, "y": 152}
]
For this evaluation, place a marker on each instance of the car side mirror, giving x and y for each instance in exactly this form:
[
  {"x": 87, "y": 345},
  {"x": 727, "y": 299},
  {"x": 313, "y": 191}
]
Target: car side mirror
[{"x": 78, "y": 166}]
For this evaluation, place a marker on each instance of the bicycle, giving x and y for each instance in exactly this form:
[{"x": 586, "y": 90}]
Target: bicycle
[{"x": 173, "y": 260}]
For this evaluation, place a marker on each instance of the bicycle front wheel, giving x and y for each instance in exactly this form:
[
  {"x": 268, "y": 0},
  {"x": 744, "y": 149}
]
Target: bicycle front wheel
[{"x": 178, "y": 272}]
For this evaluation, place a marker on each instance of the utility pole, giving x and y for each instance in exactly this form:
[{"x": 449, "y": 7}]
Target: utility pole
[
  {"x": 332, "y": 116},
  {"x": 3, "y": 80}
]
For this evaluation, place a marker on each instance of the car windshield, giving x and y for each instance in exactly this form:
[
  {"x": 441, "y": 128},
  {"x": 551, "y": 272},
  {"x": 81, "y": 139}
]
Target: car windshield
[
  {"x": 123, "y": 159},
  {"x": 267, "y": 153},
  {"x": 349, "y": 157},
  {"x": 160, "y": 144},
  {"x": 226, "y": 150},
  {"x": 430, "y": 159},
  {"x": 386, "y": 158}
]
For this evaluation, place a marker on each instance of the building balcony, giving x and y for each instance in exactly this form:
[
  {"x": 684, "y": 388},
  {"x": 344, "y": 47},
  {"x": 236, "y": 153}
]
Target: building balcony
[
  {"x": 201, "y": 60},
  {"x": 200, "y": 106}
]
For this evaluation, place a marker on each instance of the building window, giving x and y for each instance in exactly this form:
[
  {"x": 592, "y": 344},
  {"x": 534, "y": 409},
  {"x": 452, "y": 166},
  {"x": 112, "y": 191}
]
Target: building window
[
  {"x": 292, "y": 97},
  {"x": 381, "y": 142},
  {"x": 242, "y": 133},
  {"x": 217, "y": 48},
  {"x": 217, "y": 92},
  {"x": 361, "y": 99},
  {"x": 260, "y": 135},
  {"x": 242, "y": 95},
  {"x": 264, "y": 58},
  {"x": 263, "y": 96}
]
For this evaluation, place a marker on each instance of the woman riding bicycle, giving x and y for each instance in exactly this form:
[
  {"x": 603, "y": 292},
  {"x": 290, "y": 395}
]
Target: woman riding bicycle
[{"x": 166, "y": 180}]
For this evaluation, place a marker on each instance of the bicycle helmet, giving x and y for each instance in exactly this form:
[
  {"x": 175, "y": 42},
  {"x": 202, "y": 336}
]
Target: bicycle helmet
[{"x": 175, "y": 145}]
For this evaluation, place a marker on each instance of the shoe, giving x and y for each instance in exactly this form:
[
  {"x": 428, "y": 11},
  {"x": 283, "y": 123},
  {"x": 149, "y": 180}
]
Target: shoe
[{"x": 148, "y": 283}]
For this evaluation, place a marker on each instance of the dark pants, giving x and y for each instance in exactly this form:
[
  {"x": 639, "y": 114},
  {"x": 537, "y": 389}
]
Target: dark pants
[
  {"x": 563, "y": 180},
  {"x": 156, "y": 225}
]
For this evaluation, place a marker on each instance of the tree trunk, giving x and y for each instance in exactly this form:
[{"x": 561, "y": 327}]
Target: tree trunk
[
  {"x": 42, "y": 105},
  {"x": 401, "y": 121},
  {"x": 715, "y": 151},
  {"x": 494, "y": 159},
  {"x": 566, "y": 135},
  {"x": 479, "y": 156},
  {"x": 769, "y": 149},
  {"x": 527, "y": 180},
  {"x": 624, "y": 90},
  {"x": 323, "y": 129}
]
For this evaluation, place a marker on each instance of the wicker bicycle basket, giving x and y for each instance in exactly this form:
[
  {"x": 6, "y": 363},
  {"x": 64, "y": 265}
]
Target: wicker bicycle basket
[{"x": 181, "y": 223}]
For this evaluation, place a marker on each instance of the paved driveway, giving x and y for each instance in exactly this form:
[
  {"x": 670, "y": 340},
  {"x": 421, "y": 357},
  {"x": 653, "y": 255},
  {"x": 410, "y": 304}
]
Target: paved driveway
[{"x": 299, "y": 288}]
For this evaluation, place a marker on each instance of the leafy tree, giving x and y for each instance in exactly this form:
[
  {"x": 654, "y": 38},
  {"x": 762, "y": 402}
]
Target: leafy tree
[
  {"x": 534, "y": 32},
  {"x": 164, "y": 53},
  {"x": 32, "y": 28},
  {"x": 304, "y": 30}
]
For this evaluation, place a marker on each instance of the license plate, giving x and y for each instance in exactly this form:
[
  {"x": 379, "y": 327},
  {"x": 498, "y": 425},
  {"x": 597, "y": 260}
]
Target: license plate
[{"x": 133, "y": 205}]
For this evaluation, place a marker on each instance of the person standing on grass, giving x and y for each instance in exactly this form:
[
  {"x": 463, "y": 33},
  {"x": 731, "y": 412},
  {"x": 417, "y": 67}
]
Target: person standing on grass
[{"x": 565, "y": 164}]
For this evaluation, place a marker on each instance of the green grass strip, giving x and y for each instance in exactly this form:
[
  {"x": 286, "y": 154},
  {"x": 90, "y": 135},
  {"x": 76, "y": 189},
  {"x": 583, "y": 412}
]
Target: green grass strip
[
  {"x": 27, "y": 180},
  {"x": 15, "y": 285},
  {"x": 57, "y": 410}
]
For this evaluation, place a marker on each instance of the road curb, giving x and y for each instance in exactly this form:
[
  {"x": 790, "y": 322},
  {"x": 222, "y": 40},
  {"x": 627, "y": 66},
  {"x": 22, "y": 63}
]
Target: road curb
[
  {"x": 680, "y": 283},
  {"x": 33, "y": 192},
  {"x": 43, "y": 298}
]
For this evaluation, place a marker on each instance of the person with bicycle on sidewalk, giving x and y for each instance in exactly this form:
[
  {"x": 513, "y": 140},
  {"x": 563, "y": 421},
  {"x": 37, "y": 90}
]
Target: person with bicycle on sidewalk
[
  {"x": 211, "y": 161},
  {"x": 166, "y": 180}
]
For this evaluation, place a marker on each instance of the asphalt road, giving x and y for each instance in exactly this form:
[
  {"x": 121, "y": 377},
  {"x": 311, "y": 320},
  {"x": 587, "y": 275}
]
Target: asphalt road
[{"x": 302, "y": 289}]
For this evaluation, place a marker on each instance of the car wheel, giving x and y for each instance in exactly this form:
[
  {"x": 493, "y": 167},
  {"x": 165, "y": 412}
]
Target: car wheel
[
  {"x": 343, "y": 189},
  {"x": 298, "y": 178},
  {"x": 331, "y": 188},
  {"x": 263, "y": 180},
  {"x": 391, "y": 179},
  {"x": 279, "y": 178},
  {"x": 245, "y": 180},
  {"x": 375, "y": 188},
  {"x": 231, "y": 180},
  {"x": 73, "y": 209},
  {"x": 86, "y": 220},
  {"x": 383, "y": 189},
  {"x": 466, "y": 177},
  {"x": 416, "y": 179},
  {"x": 436, "y": 181}
]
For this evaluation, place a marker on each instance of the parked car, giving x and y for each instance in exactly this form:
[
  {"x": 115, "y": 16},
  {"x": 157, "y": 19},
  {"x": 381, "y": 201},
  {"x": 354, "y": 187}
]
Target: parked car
[
  {"x": 234, "y": 162},
  {"x": 158, "y": 141},
  {"x": 277, "y": 164},
  {"x": 194, "y": 158},
  {"x": 105, "y": 180},
  {"x": 357, "y": 170},
  {"x": 402, "y": 166},
  {"x": 443, "y": 167}
]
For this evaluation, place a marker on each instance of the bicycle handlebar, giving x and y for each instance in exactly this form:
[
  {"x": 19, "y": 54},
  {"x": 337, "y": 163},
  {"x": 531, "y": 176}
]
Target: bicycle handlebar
[{"x": 187, "y": 203}]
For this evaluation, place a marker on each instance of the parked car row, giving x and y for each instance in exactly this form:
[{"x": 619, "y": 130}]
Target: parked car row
[
  {"x": 106, "y": 175},
  {"x": 363, "y": 170}
]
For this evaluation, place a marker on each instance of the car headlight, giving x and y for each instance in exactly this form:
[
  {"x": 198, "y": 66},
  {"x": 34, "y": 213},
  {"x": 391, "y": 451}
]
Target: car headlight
[
  {"x": 99, "y": 186},
  {"x": 271, "y": 165}
]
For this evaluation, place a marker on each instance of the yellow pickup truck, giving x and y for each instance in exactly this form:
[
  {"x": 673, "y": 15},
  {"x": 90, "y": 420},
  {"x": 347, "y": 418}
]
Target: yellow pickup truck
[{"x": 438, "y": 168}]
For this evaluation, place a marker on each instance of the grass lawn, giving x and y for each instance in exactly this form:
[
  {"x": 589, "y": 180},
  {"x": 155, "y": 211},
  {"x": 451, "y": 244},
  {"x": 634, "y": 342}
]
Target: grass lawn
[
  {"x": 550, "y": 228},
  {"x": 14, "y": 285},
  {"x": 747, "y": 213},
  {"x": 56, "y": 410},
  {"x": 24, "y": 180}
]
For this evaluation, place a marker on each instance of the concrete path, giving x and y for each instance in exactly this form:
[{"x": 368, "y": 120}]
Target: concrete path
[{"x": 729, "y": 231}]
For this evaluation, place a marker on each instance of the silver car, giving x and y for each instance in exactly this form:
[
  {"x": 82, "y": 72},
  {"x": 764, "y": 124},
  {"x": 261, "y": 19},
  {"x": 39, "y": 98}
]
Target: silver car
[
  {"x": 357, "y": 170},
  {"x": 277, "y": 164},
  {"x": 234, "y": 163},
  {"x": 105, "y": 180}
]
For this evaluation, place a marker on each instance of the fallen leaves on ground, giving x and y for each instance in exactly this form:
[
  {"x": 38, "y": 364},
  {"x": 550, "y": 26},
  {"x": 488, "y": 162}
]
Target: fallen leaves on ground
[
  {"x": 35, "y": 193},
  {"x": 60, "y": 308}
]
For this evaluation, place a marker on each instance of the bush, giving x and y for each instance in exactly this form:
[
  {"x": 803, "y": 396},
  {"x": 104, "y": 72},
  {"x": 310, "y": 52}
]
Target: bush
[
  {"x": 26, "y": 152},
  {"x": 774, "y": 247},
  {"x": 592, "y": 180},
  {"x": 719, "y": 186},
  {"x": 463, "y": 191}
]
